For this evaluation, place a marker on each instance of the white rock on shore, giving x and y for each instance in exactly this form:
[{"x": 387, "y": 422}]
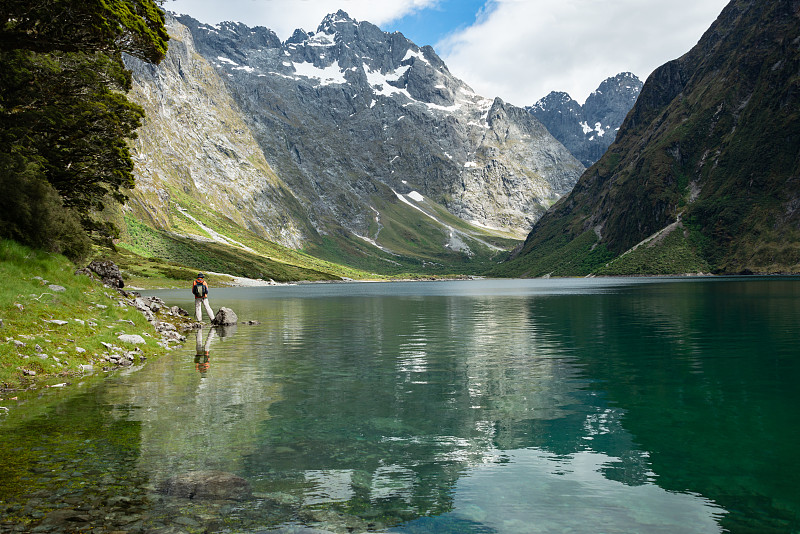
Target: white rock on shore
[{"x": 134, "y": 339}]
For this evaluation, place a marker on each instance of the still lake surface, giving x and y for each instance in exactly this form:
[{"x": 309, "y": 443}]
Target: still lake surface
[{"x": 486, "y": 406}]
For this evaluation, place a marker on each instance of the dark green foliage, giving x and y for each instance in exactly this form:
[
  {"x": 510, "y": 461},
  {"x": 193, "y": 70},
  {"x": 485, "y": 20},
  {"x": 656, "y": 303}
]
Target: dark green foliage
[
  {"x": 135, "y": 27},
  {"x": 32, "y": 213},
  {"x": 67, "y": 108},
  {"x": 62, "y": 103}
]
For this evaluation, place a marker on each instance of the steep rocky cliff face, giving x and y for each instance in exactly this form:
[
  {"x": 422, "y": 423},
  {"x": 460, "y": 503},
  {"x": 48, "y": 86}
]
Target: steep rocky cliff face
[
  {"x": 345, "y": 132},
  {"x": 707, "y": 161},
  {"x": 588, "y": 130},
  {"x": 195, "y": 148}
]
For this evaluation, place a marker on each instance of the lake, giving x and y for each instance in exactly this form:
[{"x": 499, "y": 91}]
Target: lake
[{"x": 486, "y": 406}]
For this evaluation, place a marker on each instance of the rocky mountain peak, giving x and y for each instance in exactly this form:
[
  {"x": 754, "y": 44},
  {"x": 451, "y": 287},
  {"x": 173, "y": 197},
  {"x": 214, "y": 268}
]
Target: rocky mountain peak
[
  {"x": 254, "y": 37},
  {"x": 298, "y": 36},
  {"x": 625, "y": 83},
  {"x": 555, "y": 100},
  {"x": 370, "y": 132},
  {"x": 496, "y": 112},
  {"x": 612, "y": 100},
  {"x": 333, "y": 22},
  {"x": 588, "y": 130}
]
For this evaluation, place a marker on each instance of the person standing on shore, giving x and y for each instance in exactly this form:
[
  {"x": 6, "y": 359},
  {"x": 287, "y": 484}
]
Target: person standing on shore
[{"x": 200, "y": 291}]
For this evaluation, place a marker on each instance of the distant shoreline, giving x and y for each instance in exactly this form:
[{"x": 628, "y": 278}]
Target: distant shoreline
[{"x": 241, "y": 281}]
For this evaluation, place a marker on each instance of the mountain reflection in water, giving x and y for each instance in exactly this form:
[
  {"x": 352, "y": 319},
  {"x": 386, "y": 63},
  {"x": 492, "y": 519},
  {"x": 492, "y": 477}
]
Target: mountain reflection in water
[{"x": 484, "y": 406}]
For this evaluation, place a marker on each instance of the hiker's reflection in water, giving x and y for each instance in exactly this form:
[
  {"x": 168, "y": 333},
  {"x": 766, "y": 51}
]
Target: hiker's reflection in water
[{"x": 201, "y": 358}]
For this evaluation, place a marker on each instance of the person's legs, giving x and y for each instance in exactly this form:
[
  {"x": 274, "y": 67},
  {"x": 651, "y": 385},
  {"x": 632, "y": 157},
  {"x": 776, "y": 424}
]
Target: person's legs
[
  {"x": 198, "y": 309},
  {"x": 208, "y": 309}
]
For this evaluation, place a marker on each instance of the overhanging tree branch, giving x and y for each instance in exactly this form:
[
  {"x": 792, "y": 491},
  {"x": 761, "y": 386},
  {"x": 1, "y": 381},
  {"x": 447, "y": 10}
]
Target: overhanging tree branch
[{"x": 135, "y": 27}]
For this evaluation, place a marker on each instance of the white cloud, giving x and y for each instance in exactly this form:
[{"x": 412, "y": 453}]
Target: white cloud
[
  {"x": 285, "y": 16},
  {"x": 521, "y": 50}
]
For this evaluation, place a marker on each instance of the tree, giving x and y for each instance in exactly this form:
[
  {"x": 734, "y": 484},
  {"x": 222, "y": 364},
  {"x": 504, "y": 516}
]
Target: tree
[
  {"x": 62, "y": 96},
  {"x": 135, "y": 27},
  {"x": 32, "y": 212},
  {"x": 70, "y": 108}
]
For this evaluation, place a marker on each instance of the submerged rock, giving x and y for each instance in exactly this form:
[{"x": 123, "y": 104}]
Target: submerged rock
[{"x": 207, "y": 485}]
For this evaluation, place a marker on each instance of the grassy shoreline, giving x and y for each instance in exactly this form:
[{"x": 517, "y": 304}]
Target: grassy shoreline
[{"x": 57, "y": 326}]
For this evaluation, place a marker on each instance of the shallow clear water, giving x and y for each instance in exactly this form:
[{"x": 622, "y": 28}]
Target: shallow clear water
[{"x": 599, "y": 405}]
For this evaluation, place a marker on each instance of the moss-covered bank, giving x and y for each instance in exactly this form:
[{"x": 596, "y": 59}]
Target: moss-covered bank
[{"x": 56, "y": 326}]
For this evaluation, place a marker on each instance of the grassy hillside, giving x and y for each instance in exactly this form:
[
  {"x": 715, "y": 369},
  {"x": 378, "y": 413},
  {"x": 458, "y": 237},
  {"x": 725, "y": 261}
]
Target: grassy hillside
[
  {"x": 175, "y": 254},
  {"x": 414, "y": 241},
  {"x": 674, "y": 250},
  {"x": 420, "y": 241},
  {"x": 47, "y": 334}
]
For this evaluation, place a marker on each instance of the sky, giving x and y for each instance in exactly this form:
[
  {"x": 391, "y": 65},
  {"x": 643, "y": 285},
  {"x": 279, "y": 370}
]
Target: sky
[{"x": 519, "y": 50}]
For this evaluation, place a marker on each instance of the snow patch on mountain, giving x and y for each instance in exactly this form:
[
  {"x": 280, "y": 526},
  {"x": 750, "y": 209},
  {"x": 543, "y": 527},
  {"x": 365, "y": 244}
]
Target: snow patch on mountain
[
  {"x": 380, "y": 82},
  {"x": 331, "y": 74},
  {"x": 571, "y": 123}
]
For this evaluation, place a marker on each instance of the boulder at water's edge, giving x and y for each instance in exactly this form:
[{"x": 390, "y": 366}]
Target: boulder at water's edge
[{"x": 225, "y": 317}]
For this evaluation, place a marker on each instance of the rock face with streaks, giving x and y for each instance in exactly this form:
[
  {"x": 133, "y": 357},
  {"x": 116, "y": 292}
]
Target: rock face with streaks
[
  {"x": 195, "y": 148},
  {"x": 335, "y": 133}
]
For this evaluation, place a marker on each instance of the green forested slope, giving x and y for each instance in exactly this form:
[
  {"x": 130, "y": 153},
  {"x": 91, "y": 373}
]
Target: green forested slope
[{"x": 712, "y": 144}]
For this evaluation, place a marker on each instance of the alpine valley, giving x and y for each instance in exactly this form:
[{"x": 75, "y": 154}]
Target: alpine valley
[
  {"x": 346, "y": 146},
  {"x": 704, "y": 175}
]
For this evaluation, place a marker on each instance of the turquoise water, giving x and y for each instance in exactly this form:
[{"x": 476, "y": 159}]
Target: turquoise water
[{"x": 599, "y": 405}]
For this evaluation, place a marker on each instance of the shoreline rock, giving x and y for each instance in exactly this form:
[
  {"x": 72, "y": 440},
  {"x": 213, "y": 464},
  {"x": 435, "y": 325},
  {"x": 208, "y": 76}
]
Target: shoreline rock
[
  {"x": 107, "y": 271},
  {"x": 225, "y": 317}
]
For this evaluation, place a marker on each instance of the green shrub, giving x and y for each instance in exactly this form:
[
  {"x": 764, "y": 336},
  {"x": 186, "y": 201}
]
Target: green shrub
[{"x": 32, "y": 212}]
